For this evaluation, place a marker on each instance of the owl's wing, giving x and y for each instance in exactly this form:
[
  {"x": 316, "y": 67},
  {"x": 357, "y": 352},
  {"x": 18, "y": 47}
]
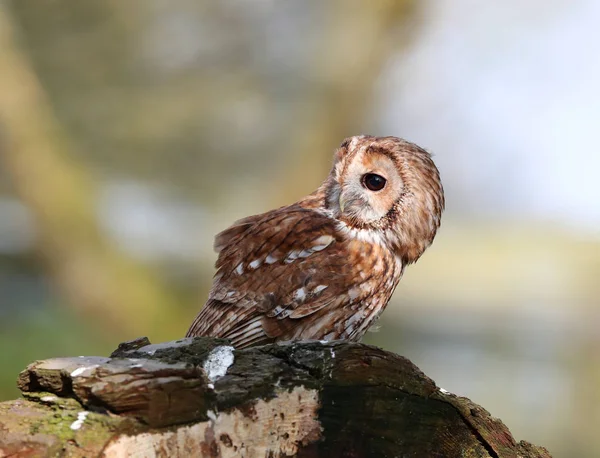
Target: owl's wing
[
  {"x": 236, "y": 230},
  {"x": 274, "y": 270}
]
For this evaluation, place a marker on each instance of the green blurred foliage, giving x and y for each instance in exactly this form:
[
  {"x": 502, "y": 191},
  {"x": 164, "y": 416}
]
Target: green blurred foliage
[{"x": 47, "y": 331}]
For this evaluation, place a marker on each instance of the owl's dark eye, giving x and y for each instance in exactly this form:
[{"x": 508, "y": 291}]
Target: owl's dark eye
[{"x": 373, "y": 182}]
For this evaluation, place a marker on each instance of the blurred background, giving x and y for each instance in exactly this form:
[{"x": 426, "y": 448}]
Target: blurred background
[{"x": 132, "y": 132}]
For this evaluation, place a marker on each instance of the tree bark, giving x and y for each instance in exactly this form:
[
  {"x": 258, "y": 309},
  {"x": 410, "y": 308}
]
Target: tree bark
[{"x": 200, "y": 397}]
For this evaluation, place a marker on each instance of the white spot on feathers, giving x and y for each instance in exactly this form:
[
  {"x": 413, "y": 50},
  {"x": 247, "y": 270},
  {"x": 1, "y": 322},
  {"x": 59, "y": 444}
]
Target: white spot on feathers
[
  {"x": 300, "y": 294},
  {"x": 319, "y": 288},
  {"x": 353, "y": 293},
  {"x": 240, "y": 268},
  {"x": 254, "y": 264},
  {"x": 322, "y": 242},
  {"x": 271, "y": 259},
  {"x": 277, "y": 310},
  {"x": 292, "y": 256}
]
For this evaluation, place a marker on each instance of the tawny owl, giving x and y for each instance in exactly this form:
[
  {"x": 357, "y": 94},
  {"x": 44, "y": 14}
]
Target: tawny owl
[{"x": 325, "y": 267}]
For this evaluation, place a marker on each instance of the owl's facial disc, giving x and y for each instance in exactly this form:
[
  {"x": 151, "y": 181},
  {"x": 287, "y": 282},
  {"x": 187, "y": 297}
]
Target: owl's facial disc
[{"x": 368, "y": 187}]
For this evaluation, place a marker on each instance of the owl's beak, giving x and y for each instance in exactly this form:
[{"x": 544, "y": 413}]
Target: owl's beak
[{"x": 341, "y": 203}]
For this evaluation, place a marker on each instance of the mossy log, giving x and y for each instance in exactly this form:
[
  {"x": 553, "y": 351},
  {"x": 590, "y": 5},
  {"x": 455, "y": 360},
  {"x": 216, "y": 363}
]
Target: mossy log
[{"x": 200, "y": 397}]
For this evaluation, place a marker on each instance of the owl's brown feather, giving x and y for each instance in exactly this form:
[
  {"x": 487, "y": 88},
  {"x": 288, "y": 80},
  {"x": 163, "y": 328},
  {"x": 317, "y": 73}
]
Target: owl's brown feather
[
  {"x": 287, "y": 265},
  {"x": 325, "y": 267}
]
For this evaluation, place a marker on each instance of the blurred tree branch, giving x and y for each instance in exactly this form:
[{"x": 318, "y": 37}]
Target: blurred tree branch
[
  {"x": 93, "y": 275},
  {"x": 359, "y": 39}
]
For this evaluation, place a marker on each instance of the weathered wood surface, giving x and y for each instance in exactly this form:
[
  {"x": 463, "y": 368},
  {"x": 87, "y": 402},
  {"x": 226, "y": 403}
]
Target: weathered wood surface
[{"x": 199, "y": 397}]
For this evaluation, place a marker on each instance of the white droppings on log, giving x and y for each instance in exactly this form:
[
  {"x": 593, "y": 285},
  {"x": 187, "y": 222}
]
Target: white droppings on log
[
  {"x": 78, "y": 371},
  {"x": 212, "y": 416},
  {"x": 218, "y": 361},
  {"x": 279, "y": 426},
  {"x": 82, "y": 369},
  {"x": 77, "y": 424}
]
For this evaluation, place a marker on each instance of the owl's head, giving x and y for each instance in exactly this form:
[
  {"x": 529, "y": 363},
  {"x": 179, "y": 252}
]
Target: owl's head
[{"x": 386, "y": 190}]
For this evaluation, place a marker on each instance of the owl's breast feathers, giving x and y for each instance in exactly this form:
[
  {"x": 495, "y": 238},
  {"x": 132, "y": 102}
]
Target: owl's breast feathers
[{"x": 292, "y": 274}]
